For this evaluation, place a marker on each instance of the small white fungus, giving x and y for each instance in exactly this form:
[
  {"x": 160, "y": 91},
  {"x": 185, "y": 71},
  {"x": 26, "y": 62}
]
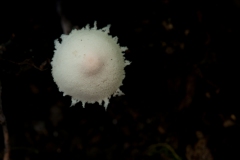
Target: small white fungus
[{"x": 88, "y": 65}]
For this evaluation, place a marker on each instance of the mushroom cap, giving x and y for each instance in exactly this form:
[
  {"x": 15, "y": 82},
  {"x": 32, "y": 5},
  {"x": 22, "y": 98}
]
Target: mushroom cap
[{"x": 88, "y": 65}]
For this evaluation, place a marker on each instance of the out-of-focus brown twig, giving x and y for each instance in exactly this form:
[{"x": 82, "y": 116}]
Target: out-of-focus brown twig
[
  {"x": 28, "y": 61},
  {"x": 3, "y": 122}
]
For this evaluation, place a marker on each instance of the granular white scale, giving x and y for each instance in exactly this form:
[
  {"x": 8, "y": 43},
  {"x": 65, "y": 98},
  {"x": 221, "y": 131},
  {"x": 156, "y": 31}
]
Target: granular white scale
[{"x": 88, "y": 65}]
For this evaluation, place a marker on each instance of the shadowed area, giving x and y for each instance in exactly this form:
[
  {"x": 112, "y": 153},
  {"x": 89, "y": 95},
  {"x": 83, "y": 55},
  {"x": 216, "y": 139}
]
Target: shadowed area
[{"x": 181, "y": 89}]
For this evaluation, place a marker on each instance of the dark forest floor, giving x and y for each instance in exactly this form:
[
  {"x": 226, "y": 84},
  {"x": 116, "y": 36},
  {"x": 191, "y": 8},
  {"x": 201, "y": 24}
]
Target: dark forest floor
[{"x": 181, "y": 90}]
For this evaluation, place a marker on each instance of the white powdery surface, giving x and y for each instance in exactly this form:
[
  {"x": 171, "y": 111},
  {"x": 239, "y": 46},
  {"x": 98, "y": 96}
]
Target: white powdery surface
[{"x": 88, "y": 65}]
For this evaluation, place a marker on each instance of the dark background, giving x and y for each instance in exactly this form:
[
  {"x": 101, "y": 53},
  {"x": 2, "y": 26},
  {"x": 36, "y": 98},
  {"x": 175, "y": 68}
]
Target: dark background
[{"x": 181, "y": 90}]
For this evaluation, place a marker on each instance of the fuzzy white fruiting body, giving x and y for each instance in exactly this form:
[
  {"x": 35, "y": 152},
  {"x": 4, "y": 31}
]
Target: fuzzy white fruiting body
[{"x": 88, "y": 65}]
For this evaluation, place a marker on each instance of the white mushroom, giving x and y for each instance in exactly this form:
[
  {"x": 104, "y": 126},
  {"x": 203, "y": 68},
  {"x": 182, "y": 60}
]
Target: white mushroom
[{"x": 88, "y": 65}]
